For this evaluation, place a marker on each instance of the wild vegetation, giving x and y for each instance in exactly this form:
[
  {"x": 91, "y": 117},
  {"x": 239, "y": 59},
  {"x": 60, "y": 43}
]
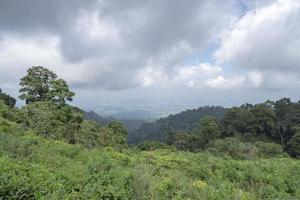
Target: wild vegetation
[{"x": 49, "y": 150}]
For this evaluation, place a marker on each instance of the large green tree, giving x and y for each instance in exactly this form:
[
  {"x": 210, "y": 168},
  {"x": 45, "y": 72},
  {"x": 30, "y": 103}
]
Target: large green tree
[
  {"x": 293, "y": 145},
  {"x": 41, "y": 84},
  {"x": 287, "y": 118},
  {"x": 263, "y": 123},
  {"x": 238, "y": 120},
  {"x": 119, "y": 131},
  {"x": 250, "y": 120},
  {"x": 208, "y": 129}
]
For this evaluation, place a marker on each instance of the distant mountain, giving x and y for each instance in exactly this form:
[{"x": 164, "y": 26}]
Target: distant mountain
[
  {"x": 184, "y": 121},
  {"x": 131, "y": 124},
  {"x": 91, "y": 115},
  {"x": 134, "y": 114}
]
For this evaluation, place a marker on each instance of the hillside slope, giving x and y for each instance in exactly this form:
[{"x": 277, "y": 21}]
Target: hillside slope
[
  {"x": 184, "y": 121},
  {"x": 131, "y": 124}
]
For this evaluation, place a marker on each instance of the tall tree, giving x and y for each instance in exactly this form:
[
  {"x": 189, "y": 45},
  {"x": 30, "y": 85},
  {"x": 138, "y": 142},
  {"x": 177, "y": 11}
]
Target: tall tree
[
  {"x": 287, "y": 118},
  {"x": 208, "y": 129},
  {"x": 238, "y": 120},
  {"x": 263, "y": 124},
  {"x": 119, "y": 132},
  {"x": 293, "y": 145},
  {"x": 41, "y": 84}
]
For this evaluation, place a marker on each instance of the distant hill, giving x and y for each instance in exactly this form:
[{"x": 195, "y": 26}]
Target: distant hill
[
  {"x": 135, "y": 114},
  {"x": 91, "y": 115},
  {"x": 184, "y": 121},
  {"x": 131, "y": 124}
]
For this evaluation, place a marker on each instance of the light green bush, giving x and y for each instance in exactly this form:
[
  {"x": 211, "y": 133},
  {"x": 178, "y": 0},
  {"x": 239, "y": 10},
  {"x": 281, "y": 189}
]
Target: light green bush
[{"x": 32, "y": 167}]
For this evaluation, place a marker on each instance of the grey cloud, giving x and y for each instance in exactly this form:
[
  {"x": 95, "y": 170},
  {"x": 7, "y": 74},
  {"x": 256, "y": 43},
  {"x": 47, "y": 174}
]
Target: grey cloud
[
  {"x": 136, "y": 34},
  {"x": 147, "y": 31},
  {"x": 33, "y": 15}
]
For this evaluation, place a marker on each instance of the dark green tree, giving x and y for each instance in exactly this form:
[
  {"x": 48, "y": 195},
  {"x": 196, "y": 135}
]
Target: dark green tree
[
  {"x": 264, "y": 119},
  {"x": 208, "y": 129},
  {"x": 7, "y": 99},
  {"x": 239, "y": 120},
  {"x": 287, "y": 118},
  {"x": 250, "y": 121},
  {"x": 293, "y": 145}
]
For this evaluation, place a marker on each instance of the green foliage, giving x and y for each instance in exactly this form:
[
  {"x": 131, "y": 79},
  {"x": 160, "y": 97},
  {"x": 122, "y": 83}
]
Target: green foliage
[
  {"x": 41, "y": 84},
  {"x": 46, "y": 119},
  {"x": 293, "y": 145},
  {"x": 208, "y": 129},
  {"x": 119, "y": 131},
  {"x": 234, "y": 148},
  {"x": 152, "y": 145},
  {"x": 287, "y": 118},
  {"x": 7, "y": 99},
  {"x": 7, "y": 115},
  {"x": 187, "y": 142},
  {"x": 35, "y": 86},
  {"x": 4, "y": 109},
  {"x": 186, "y": 121},
  {"x": 66, "y": 123},
  {"x": 269, "y": 150},
  {"x": 237, "y": 149},
  {"x": 35, "y": 168},
  {"x": 59, "y": 92},
  {"x": 249, "y": 120}
]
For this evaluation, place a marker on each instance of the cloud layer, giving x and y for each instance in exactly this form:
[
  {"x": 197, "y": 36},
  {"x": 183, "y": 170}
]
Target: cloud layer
[{"x": 203, "y": 48}]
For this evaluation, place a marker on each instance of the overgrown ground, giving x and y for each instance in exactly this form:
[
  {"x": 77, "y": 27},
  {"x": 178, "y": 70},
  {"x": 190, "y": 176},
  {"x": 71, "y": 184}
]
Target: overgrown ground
[{"x": 35, "y": 168}]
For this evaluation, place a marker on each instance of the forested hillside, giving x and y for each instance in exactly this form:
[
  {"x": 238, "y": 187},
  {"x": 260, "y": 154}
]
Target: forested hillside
[
  {"x": 184, "y": 121},
  {"x": 49, "y": 150},
  {"x": 91, "y": 115},
  {"x": 132, "y": 125},
  {"x": 273, "y": 122}
]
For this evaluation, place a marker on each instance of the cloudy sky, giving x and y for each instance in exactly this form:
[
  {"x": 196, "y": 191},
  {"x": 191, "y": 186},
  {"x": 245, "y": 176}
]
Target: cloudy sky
[{"x": 145, "y": 53}]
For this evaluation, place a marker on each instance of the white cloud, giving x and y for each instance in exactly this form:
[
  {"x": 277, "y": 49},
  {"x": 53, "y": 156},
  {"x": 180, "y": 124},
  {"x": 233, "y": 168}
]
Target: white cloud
[
  {"x": 189, "y": 76},
  {"x": 92, "y": 29},
  {"x": 255, "y": 79},
  {"x": 16, "y": 54},
  {"x": 264, "y": 38},
  {"x": 193, "y": 76},
  {"x": 221, "y": 82}
]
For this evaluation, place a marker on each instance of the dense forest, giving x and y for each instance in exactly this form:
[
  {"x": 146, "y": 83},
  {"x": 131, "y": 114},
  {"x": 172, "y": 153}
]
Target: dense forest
[
  {"x": 184, "y": 121},
  {"x": 50, "y": 149}
]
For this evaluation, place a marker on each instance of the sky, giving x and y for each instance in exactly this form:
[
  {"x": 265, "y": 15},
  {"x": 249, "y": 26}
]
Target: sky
[{"x": 159, "y": 55}]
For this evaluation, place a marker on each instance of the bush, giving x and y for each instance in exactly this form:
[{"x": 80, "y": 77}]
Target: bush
[
  {"x": 32, "y": 167},
  {"x": 152, "y": 145},
  {"x": 269, "y": 149},
  {"x": 234, "y": 148}
]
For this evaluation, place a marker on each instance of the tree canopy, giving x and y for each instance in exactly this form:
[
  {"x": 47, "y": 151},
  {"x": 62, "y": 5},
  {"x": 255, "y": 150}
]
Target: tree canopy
[{"x": 41, "y": 84}]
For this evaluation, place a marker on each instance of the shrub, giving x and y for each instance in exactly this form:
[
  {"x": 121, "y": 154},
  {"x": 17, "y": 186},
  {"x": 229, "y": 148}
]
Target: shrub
[
  {"x": 234, "y": 148},
  {"x": 269, "y": 149},
  {"x": 152, "y": 145}
]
